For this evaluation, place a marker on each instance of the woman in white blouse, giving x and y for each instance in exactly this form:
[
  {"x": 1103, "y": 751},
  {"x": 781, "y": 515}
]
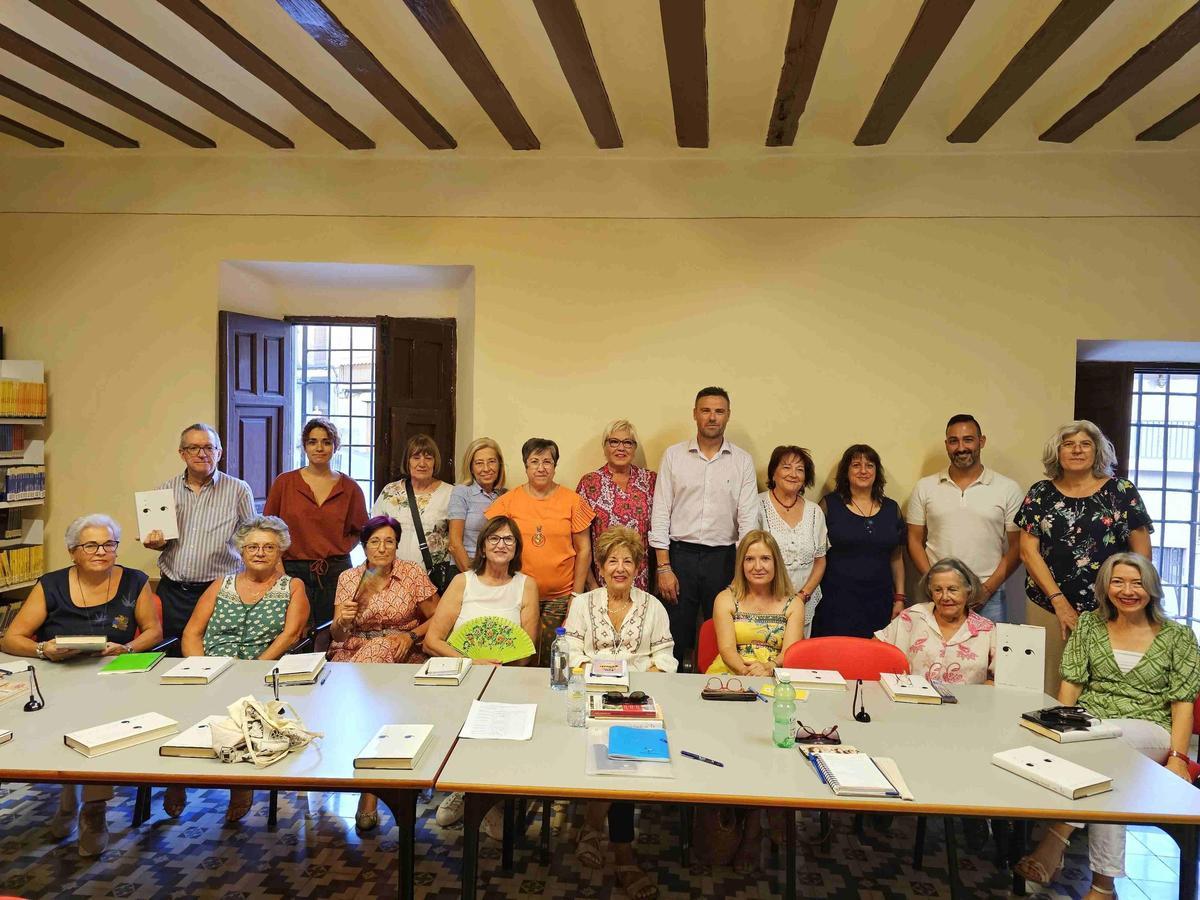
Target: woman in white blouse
[
  {"x": 797, "y": 525},
  {"x": 618, "y": 621},
  {"x": 423, "y": 461}
]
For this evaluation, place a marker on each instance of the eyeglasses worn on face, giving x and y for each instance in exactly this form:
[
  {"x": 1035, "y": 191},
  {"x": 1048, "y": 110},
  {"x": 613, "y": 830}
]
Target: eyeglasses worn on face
[
  {"x": 497, "y": 540},
  {"x": 91, "y": 548},
  {"x": 252, "y": 549},
  {"x": 197, "y": 449},
  {"x": 627, "y": 443},
  {"x": 381, "y": 543}
]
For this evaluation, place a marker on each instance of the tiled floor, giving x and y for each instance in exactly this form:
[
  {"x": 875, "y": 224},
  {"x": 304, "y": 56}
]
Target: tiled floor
[{"x": 316, "y": 853}]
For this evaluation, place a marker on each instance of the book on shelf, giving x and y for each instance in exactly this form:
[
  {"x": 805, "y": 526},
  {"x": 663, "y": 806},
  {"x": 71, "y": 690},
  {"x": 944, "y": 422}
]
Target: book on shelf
[
  {"x": 599, "y": 708},
  {"x": 84, "y": 643},
  {"x": 20, "y": 483},
  {"x": 12, "y": 523},
  {"x": 21, "y": 564},
  {"x": 12, "y": 441},
  {"x": 22, "y": 399},
  {"x": 1062, "y": 776},
  {"x": 815, "y": 679},
  {"x": 195, "y": 743},
  {"x": 132, "y": 663},
  {"x": 395, "y": 747},
  {"x": 196, "y": 670},
  {"x": 121, "y": 734},
  {"x": 444, "y": 670},
  {"x": 909, "y": 688},
  {"x": 1096, "y": 730},
  {"x": 606, "y": 675},
  {"x": 297, "y": 668}
]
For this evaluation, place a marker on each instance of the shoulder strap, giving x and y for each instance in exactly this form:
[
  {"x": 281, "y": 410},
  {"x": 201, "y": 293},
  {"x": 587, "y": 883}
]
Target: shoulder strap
[{"x": 416, "y": 517}]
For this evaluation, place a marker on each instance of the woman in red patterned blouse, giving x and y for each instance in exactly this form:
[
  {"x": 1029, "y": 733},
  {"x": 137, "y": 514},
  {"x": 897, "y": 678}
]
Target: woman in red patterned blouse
[{"x": 621, "y": 494}]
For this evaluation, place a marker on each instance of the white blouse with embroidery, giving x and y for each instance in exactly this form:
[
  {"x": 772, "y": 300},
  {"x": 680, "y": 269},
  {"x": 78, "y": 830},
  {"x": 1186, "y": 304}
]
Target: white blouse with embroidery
[
  {"x": 644, "y": 641},
  {"x": 967, "y": 658}
]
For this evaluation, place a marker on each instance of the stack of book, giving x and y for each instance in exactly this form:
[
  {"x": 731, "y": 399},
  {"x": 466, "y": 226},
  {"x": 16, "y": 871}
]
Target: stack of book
[
  {"x": 12, "y": 524},
  {"x": 22, "y": 399},
  {"x": 12, "y": 441},
  {"x": 23, "y": 483},
  {"x": 606, "y": 675},
  {"x": 600, "y": 709},
  {"x": 21, "y": 564},
  {"x": 444, "y": 670}
]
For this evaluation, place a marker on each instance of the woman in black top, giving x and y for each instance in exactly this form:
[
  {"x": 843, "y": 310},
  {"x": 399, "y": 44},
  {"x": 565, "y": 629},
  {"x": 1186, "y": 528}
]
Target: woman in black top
[{"x": 93, "y": 596}]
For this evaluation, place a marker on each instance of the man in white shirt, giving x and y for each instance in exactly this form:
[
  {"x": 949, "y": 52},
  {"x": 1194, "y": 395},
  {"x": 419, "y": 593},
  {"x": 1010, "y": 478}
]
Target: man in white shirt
[
  {"x": 967, "y": 512},
  {"x": 705, "y": 501}
]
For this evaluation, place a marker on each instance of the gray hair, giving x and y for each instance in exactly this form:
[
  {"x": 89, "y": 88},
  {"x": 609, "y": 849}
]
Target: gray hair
[
  {"x": 1105, "y": 461},
  {"x": 1150, "y": 583},
  {"x": 201, "y": 426},
  {"x": 617, "y": 425},
  {"x": 92, "y": 520},
  {"x": 274, "y": 524},
  {"x": 970, "y": 580}
]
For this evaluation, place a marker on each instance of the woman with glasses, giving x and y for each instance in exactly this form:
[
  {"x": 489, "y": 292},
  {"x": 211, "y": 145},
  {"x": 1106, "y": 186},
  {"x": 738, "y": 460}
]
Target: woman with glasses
[
  {"x": 92, "y": 596},
  {"x": 422, "y": 462},
  {"x": 324, "y": 510},
  {"x": 620, "y": 493},
  {"x": 483, "y": 482},
  {"x": 259, "y": 613},
  {"x": 619, "y": 621}
]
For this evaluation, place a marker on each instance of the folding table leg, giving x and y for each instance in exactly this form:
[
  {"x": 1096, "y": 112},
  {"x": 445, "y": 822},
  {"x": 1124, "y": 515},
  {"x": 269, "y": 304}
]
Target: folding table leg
[
  {"x": 141, "y": 805},
  {"x": 510, "y": 832},
  {"x": 403, "y": 806},
  {"x": 919, "y": 844},
  {"x": 1018, "y": 840},
  {"x": 789, "y": 850},
  {"x": 1188, "y": 838},
  {"x": 952, "y": 858},
  {"x": 547, "y": 810},
  {"x": 272, "y": 810},
  {"x": 475, "y": 807},
  {"x": 685, "y": 838}
]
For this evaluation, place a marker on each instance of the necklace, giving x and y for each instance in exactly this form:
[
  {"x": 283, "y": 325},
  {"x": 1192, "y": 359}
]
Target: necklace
[
  {"x": 83, "y": 596},
  {"x": 538, "y": 537},
  {"x": 781, "y": 503},
  {"x": 865, "y": 513}
]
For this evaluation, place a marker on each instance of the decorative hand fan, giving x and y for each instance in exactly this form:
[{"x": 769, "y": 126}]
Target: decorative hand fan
[{"x": 491, "y": 637}]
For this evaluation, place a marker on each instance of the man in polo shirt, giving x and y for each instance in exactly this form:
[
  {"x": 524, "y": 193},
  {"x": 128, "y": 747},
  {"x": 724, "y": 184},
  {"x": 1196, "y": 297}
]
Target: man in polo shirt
[
  {"x": 967, "y": 512},
  {"x": 705, "y": 501},
  {"x": 210, "y": 506}
]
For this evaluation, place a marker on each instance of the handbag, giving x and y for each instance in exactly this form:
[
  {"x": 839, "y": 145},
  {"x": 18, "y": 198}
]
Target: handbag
[
  {"x": 259, "y": 731},
  {"x": 443, "y": 573},
  {"x": 716, "y": 834}
]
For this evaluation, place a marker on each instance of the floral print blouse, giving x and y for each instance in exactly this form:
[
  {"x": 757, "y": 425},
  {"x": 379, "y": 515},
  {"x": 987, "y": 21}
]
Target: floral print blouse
[
  {"x": 967, "y": 658},
  {"x": 433, "y": 507},
  {"x": 616, "y": 506},
  {"x": 1077, "y": 534}
]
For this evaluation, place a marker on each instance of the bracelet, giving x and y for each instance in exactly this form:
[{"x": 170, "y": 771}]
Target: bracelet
[
  {"x": 899, "y": 598},
  {"x": 665, "y": 567},
  {"x": 805, "y": 595},
  {"x": 41, "y": 649},
  {"x": 128, "y": 647},
  {"x": 1056, "y": 594},
  {"x": 1175, "y": 754}
]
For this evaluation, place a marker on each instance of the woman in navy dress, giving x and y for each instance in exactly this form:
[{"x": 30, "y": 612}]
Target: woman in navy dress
[{"x": 863, "y": 587}]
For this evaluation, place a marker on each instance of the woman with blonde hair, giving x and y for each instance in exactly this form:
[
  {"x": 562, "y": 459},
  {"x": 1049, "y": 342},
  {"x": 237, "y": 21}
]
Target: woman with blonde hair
[
  {"x": 620, "y": 493},
  {"x": 482, "y": 482},
  {"x": 758, "y": 616}
]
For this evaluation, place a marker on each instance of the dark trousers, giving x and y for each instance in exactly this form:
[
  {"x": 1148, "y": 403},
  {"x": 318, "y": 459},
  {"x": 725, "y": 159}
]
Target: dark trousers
[
  {"x": 320, "y": 577},
  {"x": 178, "y": 598},
  {"x": 620, "y": 822},
  {"x": 703, "y": 572}
]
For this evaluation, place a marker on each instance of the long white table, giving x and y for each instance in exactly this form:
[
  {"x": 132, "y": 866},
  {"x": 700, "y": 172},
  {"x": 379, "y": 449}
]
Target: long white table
[
  {"x": 944, "y": 753},
  {"x": 349, "y": 706}
]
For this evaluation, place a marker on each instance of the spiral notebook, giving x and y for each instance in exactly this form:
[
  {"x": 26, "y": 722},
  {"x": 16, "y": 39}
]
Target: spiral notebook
[{"x": 853, "y": 775}]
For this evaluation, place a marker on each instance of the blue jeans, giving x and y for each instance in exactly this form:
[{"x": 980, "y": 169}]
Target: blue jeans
[{"x": 994, "y": 608}]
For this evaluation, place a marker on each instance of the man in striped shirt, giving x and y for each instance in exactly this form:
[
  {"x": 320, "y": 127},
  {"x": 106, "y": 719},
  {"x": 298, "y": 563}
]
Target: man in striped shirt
[{"x": 210, "y": 506}]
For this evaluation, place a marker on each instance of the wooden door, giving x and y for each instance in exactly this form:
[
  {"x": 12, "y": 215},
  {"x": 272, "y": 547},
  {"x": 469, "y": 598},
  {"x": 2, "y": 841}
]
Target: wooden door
[
  {"x": 256, "y": 386},
  {"x": 1103, "y": 395},
  {"x": 415, "y": 369}
]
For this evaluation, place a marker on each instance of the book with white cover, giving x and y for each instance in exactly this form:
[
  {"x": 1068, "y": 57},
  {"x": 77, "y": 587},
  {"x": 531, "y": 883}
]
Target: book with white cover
[
  {"x": 84, "y": 643},
  {"x": 1020, "y": 656},
  {"x": 447, "y": 670},
  {"x": 297, "y": 668},
  {"x": 156, "y": 512},
  {"x": 815, "y": 679},
  {"x": 606, "y": 675},
  {"x": 1059, "y": 775},
  {"x": 196, "y": 670},
  {"x": 195, "y": 743},
  {"x": 118, "y": 735},
  {"x": 1098, "y": 730},
  {"x": 395, "y": 747},
  {"x": 908, "y": 688},
  {"x": 5, "y": 735}
]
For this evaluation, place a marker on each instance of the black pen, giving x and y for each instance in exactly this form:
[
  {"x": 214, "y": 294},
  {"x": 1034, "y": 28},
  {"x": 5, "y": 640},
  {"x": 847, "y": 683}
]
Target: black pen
[{"x": 712, "y": 762}]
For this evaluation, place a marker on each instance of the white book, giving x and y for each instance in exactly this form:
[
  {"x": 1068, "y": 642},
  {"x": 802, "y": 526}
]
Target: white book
[
  {"x": 1059, "y": 775},
  {"x": 1020, "y": 656},
  {"x": 196, "y": 670},
  {"x": 297, "y": 668},
  {"x": 395, "y": 747},
  {"x": 815, "y": 679},
  {"x": 84, "y": 643},
  {"x": 156, "y": 512},
  {"x": 908, "y": 688},
  {"x": 606, "y": 675},
  {"x": 118, "y": 735},
  {"x": 196, "y": 742},
  {"x": 446, "y": 670},
  {"x": 5, "y": 735}
]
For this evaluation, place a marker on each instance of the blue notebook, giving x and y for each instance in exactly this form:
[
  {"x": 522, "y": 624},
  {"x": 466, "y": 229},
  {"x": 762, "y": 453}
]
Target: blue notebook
[{"x": 645, "y": 744}]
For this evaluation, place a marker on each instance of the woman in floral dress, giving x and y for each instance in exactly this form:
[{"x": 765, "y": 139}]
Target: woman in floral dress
[{"x": 423, "y": 461}]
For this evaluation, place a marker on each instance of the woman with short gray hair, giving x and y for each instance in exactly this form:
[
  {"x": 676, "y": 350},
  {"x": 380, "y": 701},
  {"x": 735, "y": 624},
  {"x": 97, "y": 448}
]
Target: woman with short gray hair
[
  {"x": 943, "y": 637},
  {"x": 1071, "y": 523}
]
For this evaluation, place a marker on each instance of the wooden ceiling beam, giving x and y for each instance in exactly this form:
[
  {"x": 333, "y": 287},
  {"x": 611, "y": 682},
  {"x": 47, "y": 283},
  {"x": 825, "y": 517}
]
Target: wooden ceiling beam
[
  {"x": 935, "y": 25},
  {"x": 118, "y": 41},
  {"x": 683, "y": 23},
  {"x": 340, "y": 43},
  {"x": 805, "y": 43},
  {"x": 230, "y": 42},
  {"x": 1069, "y": 20},
  {"x": 568, "y": 37},
  {"x": 451, "y": 35},
  {"x": 13, "y": 128},
  {"x": 1130, "y": 77},
  {"x": 40, "y": 103},
  {"x": 21, "y": 46},
  {"x": 1176, "y": 123}
]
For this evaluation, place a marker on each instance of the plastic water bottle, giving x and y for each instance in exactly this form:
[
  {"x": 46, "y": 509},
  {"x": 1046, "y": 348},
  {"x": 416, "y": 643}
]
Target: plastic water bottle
[
  {"x": 576, "y": 699},
  {"x": 559, "y": 672},
  {"x": 783, "y": 711}
]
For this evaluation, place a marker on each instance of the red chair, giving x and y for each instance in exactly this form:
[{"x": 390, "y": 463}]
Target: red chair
[
  {"x": 706, "y": 646},
  {"x": 853, "y": 658}
]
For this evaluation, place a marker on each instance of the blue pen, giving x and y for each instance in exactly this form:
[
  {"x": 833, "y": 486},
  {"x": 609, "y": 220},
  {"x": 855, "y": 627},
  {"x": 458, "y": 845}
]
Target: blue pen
[
  {"x": 712, "y": 762},
  {"x": 812, "y": 758}
]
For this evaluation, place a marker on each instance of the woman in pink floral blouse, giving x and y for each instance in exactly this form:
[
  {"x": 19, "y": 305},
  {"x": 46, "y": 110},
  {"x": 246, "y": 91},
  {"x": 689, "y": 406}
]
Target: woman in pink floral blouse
[
  {"x": 621, "y": 494},
  {"x": 944, "y": 638}
]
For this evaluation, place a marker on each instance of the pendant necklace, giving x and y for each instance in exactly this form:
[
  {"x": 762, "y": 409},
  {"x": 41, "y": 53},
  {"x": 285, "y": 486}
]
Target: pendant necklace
[{"x": 538, "y": 537}]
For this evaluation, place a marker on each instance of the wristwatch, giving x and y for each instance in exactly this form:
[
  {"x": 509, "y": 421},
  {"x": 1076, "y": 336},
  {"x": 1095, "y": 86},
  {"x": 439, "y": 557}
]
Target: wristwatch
[{"x": 41, "y": 649}]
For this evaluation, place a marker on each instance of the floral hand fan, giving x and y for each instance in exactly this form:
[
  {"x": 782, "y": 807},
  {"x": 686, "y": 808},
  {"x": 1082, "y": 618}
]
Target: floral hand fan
[{"x": 491, "y": 637}]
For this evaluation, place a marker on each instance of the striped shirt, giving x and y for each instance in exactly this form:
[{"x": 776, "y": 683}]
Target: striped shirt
[{"x": 207, "y": 520}]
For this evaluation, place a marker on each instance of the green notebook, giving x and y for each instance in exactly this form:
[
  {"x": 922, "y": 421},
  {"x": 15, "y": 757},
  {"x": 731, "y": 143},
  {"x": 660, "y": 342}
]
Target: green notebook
[{"x": 132, "y": 663}]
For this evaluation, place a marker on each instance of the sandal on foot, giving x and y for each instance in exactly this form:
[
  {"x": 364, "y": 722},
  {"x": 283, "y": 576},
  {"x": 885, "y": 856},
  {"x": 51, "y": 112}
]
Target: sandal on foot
[
  {"x": 1033, "y": 869},
  {"x": 636, "y": 883},
  {"x": 1107, "y": 892},
  {"x": 240, "y": 801},
  {"x": 366, "y": 821},
  {"x": 589, "y": 849},
  {"x": 174, "y": 801}
]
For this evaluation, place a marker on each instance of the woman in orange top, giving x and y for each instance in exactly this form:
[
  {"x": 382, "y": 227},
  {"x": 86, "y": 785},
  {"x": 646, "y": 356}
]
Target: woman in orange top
[{"x": 554, "y": 523}]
